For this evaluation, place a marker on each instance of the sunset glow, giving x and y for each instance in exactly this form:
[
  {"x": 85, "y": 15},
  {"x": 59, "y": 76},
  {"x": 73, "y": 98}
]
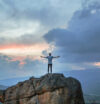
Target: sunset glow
[
  {"x": 23, "y": 50},
  {"x": 97, "y": 64}
]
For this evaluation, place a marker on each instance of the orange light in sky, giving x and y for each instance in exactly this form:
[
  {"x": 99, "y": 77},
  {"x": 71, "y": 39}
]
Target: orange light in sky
[
  {"x": 19, "y": 52},
  {"x": 96, "y": 64},
  {"x": 23, "y": 50}
]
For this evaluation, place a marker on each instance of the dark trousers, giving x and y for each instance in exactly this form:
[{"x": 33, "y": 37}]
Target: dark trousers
[{"x": 49, "y": 68}]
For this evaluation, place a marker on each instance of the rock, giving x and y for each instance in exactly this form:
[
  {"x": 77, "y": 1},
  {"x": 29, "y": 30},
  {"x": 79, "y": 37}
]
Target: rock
[
  {"x": 49, "y": 89},
  {"x": 2, "y": 96}
]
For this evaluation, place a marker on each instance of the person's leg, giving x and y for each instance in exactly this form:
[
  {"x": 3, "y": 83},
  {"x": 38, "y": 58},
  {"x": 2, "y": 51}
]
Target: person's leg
[
  {"x": 48, "y": 68},
  {"x": 51, "y": 67}
]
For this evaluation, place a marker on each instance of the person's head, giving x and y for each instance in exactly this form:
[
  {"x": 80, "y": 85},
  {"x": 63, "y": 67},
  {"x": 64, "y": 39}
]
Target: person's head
[{"x": 49, "y": 54}]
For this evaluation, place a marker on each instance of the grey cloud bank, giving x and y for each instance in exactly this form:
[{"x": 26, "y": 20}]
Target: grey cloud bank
[{"x": 80, "y": 41}]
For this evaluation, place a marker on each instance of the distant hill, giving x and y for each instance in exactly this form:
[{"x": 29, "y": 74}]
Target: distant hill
[
  {"x": 90, "y": 80},
  {"x": 12, "y": 81},
  {"x": 89, "y": 99},
  {"x": 2, "y": 87}
]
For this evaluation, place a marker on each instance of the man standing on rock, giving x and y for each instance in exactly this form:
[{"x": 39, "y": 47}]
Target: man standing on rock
[{"x": 50, "y": 57}]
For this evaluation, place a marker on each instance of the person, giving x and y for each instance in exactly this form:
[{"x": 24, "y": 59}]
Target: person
[{"x": 50, "y": 57}]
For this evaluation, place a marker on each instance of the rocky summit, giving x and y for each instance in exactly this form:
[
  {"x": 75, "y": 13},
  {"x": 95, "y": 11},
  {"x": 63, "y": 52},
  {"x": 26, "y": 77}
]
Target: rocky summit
[{"x": 48, "y": 89}]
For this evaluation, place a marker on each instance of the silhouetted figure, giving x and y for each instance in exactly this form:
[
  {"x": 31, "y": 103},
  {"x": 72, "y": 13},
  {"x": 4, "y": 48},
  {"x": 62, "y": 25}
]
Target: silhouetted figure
[{"x": 50, "y": 57}]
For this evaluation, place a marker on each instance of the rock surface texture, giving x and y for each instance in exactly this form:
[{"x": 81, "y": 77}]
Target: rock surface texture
[
  {"x": 49, "y": 89},
  {"x": 1, "y": 96}
]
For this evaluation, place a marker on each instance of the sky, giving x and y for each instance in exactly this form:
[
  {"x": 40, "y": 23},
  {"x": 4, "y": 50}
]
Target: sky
[{"x": 31, "y": 28}]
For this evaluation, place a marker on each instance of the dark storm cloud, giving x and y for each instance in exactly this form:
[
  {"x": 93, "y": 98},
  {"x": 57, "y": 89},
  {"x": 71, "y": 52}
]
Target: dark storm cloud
[{"x": 81, "y": 41}]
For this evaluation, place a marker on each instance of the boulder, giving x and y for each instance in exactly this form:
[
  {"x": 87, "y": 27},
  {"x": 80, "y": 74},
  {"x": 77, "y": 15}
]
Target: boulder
[{"x": 48, "y": 89}]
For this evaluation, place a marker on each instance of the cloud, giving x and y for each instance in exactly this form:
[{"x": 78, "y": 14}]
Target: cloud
[
  {"x": 79, "y": 43},
  {"x": 22, "y": 17},
  {"x": 44, "y": 11},
  {"x": 13, "y": 69},
  {"x": 27, "y": 39},
  {"x": 24, "y": 45}
]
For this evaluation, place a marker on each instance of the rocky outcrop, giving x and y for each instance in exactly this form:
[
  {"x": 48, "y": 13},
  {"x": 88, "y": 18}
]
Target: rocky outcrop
[
  {"x": 49, "y": 89},
  {"x": 2, "y": 96}
]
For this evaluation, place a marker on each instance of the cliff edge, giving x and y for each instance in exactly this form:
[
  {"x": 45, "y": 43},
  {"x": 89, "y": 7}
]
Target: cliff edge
[{"x": 48, "y": 89}]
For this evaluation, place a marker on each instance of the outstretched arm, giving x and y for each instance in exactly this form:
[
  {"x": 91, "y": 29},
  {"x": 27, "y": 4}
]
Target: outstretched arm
[
  {"x": 56, "y": 57},
  {"x": 43, "y": 57}
]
